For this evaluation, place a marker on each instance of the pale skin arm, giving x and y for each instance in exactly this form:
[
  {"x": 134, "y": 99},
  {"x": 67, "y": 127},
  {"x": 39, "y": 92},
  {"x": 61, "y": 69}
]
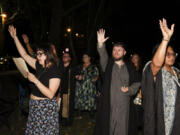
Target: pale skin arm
[
  {"x": 54, "y": 84},
  {"x": 159, "y": 57},
  {"x": 30, "y": 60}
]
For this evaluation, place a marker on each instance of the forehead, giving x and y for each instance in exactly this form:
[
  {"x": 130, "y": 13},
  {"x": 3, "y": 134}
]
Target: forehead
[
  {"x": 135, "y": 56},
  {"x": 66, "y": 54},
  {"x": 85, "y": 55},
  {"x": 170, "y": 49},
  {"x": 38, "y": 50},
  {"x": 118, "y": 48}
]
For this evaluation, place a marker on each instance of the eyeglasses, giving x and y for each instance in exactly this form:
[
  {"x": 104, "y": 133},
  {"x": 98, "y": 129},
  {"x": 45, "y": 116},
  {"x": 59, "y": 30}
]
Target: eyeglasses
[
  {"x": 39, "y": 54},
  {"x": 66, "y": 57},
  {"x": 171, "y": 54}
]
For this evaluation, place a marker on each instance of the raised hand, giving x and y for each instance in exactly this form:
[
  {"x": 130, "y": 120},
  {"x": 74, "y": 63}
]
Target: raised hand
[
  {"x": 101, "y": 37},
  {"x": 12, "y": 31},
  {"x": 166, "y": 32}
]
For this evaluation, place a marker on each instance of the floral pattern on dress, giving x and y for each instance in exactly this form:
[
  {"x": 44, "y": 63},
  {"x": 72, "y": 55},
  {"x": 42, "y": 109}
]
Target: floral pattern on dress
[
  {"x": 43, "y": 117},
  {"x": 86, "y": 89},
  {"x": 169, "y": 99}
]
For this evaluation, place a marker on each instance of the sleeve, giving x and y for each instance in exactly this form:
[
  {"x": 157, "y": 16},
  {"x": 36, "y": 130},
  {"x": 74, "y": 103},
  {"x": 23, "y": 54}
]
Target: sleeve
[
  {"x": 55, "y": 73},
  {"x": 103, "y": 57},
  {"x": 96, "y": 71},
  {"x": 148, "y": 99},
  {"x": 134, "y": 88}
]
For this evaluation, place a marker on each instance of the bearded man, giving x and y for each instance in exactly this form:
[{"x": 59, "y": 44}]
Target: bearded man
[{"x": 120, "y": 83}]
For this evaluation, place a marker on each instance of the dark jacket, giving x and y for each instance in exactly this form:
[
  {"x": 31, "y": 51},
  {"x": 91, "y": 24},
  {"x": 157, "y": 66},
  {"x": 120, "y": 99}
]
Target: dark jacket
[
  {"x": 103, "y": 114},
  {"x": 153, "y": 105}
]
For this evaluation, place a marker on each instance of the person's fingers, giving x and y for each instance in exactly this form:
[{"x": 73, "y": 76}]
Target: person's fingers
[
  {"x": 172, "y": 27},
  {"x": 106, "y": 38}
]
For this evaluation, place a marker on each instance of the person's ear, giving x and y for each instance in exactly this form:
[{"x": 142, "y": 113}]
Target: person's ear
[{"x": 124, "y": 52}]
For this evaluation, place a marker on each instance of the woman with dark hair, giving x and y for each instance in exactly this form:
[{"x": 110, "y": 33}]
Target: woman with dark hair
[
  {"x": 161, "y": 89},
  {"x": 43, "y": 114},
  {"x": 86, "y": 86}
]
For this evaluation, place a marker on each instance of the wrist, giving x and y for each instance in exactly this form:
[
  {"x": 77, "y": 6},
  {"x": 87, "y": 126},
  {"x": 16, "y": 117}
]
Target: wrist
[
  {"x": 100, "y": 44},
  {"x": 166, "y": 39},
  {"x": 15, "y": 37},
  {"x": 36, "y": 82}
]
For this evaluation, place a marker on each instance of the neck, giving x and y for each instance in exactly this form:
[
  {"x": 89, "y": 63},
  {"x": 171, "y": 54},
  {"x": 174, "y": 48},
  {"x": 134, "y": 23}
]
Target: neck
[
  {"x": 136, "y": 66},
  {"x": 86, "y": 64},
  {"x": 119, "y": 62},
  {"x": 66, "y": 64},
  {"x": 167, "y": 67}
]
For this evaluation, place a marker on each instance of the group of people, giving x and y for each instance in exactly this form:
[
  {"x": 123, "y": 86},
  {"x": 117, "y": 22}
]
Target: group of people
[{"x": 156, "y": 86}]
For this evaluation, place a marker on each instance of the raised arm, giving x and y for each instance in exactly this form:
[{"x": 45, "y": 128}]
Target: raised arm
[
  {"x": 159, "y": 57},
  {"x": 101, "y": 48},
  {"x": 30, "y": 60}
]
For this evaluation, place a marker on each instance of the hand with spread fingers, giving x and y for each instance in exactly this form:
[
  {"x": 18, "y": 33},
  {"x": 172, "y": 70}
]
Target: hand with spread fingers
[
  {"x": 12, "y": 31},
  {"x": 166, "y": 32},
  {"x": 101, "y": 37}
]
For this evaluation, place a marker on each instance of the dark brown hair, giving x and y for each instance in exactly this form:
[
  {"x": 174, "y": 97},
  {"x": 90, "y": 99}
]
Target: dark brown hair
[{"x": 47, "y": 49}]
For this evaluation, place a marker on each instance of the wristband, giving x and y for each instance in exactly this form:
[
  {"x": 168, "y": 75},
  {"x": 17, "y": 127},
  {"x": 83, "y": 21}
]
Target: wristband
[{"x": 165, "y": 39}]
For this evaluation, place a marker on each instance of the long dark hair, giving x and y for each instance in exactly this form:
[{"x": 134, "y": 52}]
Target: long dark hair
[
  {"x": 139, "y": 61},
  {"x": 48, "y": 51}
]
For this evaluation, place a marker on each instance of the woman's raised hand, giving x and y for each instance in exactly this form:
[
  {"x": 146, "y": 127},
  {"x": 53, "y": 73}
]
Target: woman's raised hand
[
  {"x": 166, "y": 32},
  {"x": 101, "y": 37},
  {"x": 12, "y": 31}
]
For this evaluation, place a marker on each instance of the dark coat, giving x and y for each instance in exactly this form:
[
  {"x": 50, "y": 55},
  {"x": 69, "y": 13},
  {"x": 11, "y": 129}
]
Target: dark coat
[
  {"x": 103, "y": 114},
  {"x": 153, "y": 105},
  {"x": 64, "y": 85}
]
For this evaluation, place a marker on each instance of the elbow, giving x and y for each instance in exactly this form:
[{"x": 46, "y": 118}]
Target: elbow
[
  {"x": 51, "y": 96},
  {"x": 156, "y": 64}
]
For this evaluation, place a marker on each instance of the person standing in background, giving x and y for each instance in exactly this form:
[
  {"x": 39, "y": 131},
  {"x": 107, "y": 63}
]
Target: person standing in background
[
  {"x": 67, "y": 88},
  {"x": 85, "y": 95}
]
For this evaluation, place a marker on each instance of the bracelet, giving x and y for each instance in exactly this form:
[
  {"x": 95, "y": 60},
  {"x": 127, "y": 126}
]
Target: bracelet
[{"x": 165, "y": 39}]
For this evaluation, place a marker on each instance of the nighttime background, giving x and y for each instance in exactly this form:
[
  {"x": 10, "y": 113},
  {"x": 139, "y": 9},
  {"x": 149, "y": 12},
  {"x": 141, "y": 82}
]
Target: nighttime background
[{"x": 134, "y": 22}]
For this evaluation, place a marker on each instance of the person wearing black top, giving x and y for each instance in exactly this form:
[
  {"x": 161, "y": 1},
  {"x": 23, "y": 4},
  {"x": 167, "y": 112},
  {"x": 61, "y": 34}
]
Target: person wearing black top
[
  {"x": 67, "y": 88},
  {"x": 43, "y": 113}
]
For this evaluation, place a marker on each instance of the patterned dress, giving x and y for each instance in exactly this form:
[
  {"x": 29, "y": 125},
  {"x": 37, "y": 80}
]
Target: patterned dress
[
  {"x": 43, "y": 117},
  {"x": 86, "y": 89},
  {"x": 169, "y": 99}
]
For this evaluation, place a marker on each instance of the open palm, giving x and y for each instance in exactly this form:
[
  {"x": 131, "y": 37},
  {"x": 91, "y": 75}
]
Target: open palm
[
  {"x": 12, "y": 31},
  {"x": 101, "y": 37},
  {"x": 166, "y": 32}
]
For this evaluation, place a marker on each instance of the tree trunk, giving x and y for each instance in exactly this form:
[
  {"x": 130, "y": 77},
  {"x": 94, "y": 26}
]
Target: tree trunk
[{"x": 56, "y": 21}]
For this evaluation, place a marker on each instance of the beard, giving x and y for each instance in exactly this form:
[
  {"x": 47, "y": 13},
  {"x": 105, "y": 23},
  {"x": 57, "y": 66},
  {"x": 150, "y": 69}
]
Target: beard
[{"x": 118, "y": 59}]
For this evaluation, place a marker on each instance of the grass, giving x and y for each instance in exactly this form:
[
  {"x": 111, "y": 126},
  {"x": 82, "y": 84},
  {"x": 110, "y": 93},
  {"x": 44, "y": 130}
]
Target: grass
[{"x": 84, "y": 126}]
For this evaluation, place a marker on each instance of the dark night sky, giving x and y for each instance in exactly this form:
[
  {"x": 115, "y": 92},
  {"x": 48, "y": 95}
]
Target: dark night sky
[{"x": 137, "y": 23}]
